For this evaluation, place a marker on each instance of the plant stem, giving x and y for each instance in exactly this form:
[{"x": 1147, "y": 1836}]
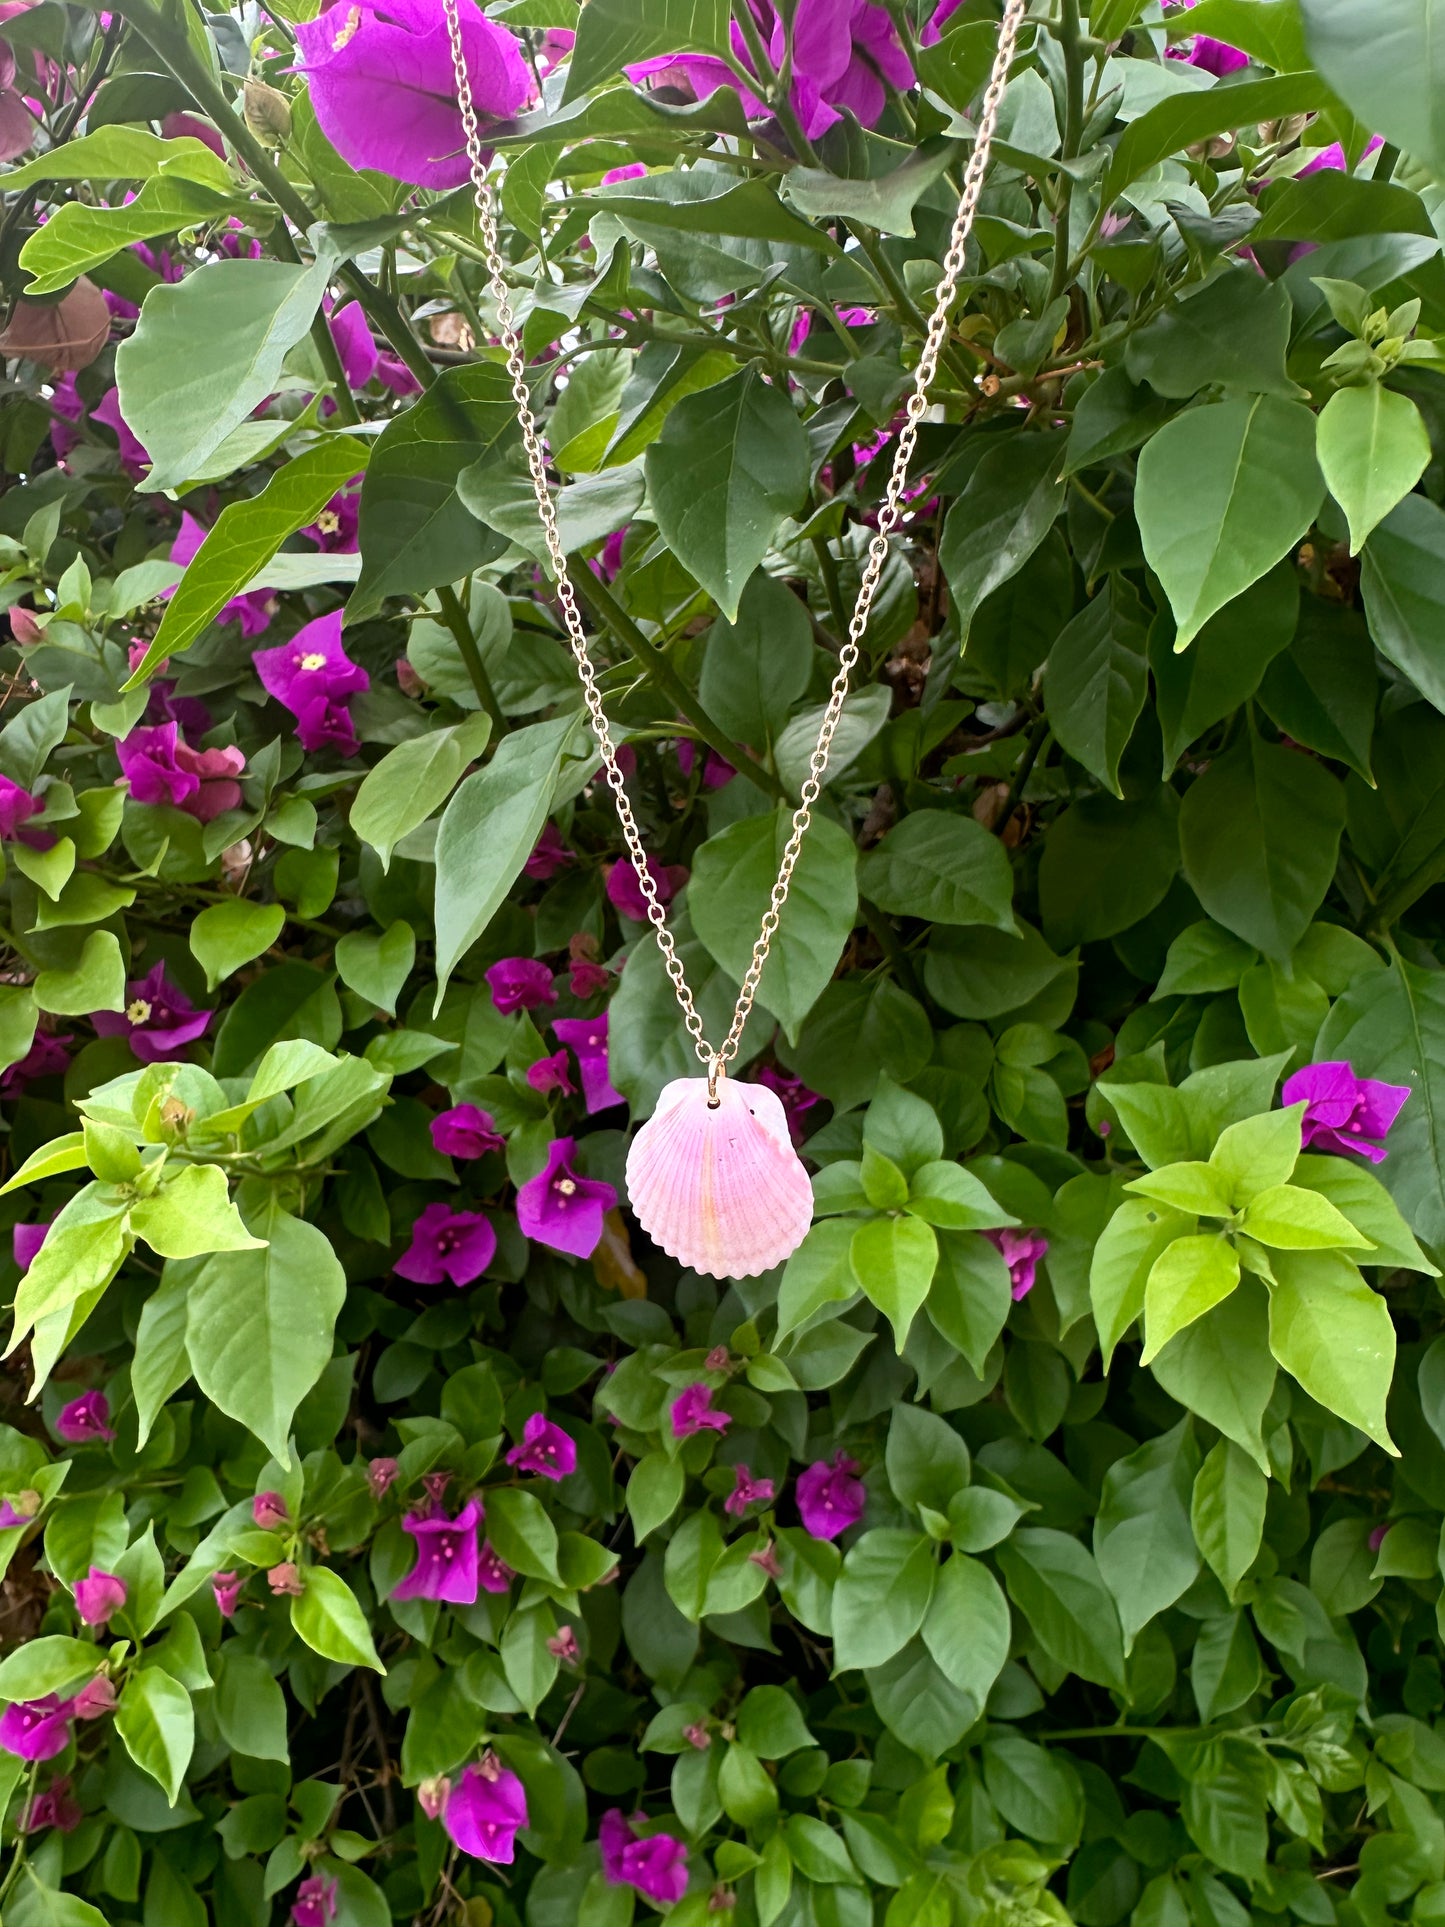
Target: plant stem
[
  {"x": 1070, "y": 37},
  {"x": 600, "y": 603},
  {"x": 455, "y": 618},
  {"x": 1038, "y": 736}
]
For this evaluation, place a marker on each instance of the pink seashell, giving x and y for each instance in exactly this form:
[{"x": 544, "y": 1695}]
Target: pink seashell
[{"x": 720, "y": 1189}]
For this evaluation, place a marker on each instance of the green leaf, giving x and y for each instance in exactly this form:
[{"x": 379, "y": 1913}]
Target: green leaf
[
  {"x": 1006, "y": 508},
  {"x": 1221, "y": 1368},
  {"x": 967, "y": 1628},
  {"x": 732, "y": 879},
  {"x": 1369, "y": 1208},
  {"x": 1132, "y": 1242},
  {"x": 250, "y": 1707},
  {"x": 987, "y": 973},
  {"x": 1142, "y": 1537},
  {"x": 621, "y": 32},
  {"x": 1322, "y": 689},
  {"x": 1188, "y": 1186},
  {"x": 927, "y": 1461},
  {"x": 1287, "y": 1217},
  {"x": 245, "y": 537},
  {"x": 1096, "y": 680},
  {"x": 377, "y": 965},
  {"x": 1224, "y": 491},
  {"x": 260, "y": 1326},
  {"x": 206, "y": 352},
  {"x": 970, "y": 1296},
  {"x": 53, "y": 1663},
  {"x": 1057, "y": 1586},
  {"x": 1387, "y": 65},
  {"x": 943, "y": 867},
  {"x": 893, "y": 1263},
  {"x": 946, "y": 1195},
  {"x": 123, "y": 154},
  {"x": 36, "y": 1905},
  {"x": 191, "y": 1214},
  {"x": 327, "y": 1616},
  {"x": 1188, "y": 1278},
  {"x": 161, "y": 1364},
  {"x": 96, "y": 983},
  {"x": 231, "y": 934},
  {"x": 412, "y": 780},
  {"x": 488, "y": 831},
  {"x": 757, "y": 667},
  {"x": 1223, "y": 666},
  {"x": 522, "y": 1533},
  {"x": 1227, "y": 1512},
  {"x": 1258, "y": 1153},
  {"x": 1232, "y": 333},
  {"x": 1373, "y": 448},
  {"x": 884, "y": 201},
  {"x": 158, "y": 1726},
  {"x": 819, "y": 1273},
  {"x": 770, "y": 1723},
  {"x": 1260, "y": 831},
  {"x": 730, "y": 463},
  {"x": 78, "y": 236},
  {"x": 1183, "y": 120},
  {"x": 82, "y": 1252},
  {"x": 1400, "y": 583},
  {"x": 654, "y": 1492},
  {"x": 881, "y": 1596},
  {"x": 414, "y": 530},
  {"x": 1334, "y": 1334}
]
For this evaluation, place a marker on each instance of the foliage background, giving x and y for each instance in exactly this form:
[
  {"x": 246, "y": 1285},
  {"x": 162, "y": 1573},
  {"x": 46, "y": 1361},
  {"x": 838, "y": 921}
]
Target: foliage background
[{"x": 1114, "y": 1641}]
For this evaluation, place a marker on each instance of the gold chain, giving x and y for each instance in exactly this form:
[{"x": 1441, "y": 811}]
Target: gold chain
[{"x": 888, "y": 518}]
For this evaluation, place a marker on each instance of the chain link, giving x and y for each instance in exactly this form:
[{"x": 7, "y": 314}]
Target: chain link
[{"x": 889, "y": 516}]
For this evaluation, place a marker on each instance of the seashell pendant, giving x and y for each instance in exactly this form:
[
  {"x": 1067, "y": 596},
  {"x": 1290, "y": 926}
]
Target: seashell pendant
[{"x": 717, "y": 1183}]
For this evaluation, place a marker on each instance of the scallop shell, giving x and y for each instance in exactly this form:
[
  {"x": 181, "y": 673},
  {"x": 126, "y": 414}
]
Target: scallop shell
[{"x": 720, "y": 1189}]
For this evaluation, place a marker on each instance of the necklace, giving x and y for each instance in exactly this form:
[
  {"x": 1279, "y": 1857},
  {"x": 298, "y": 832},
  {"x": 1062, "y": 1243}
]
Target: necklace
[{"x": 712, "y": 1176}]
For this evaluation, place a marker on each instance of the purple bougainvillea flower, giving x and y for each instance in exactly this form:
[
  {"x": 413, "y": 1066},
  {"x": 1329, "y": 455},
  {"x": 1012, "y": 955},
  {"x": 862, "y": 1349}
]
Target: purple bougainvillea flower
[
  {"x": 315, "y": 1902},
  {"x": 355, "y": 343},
  {"x": 587, "y": 1036},
  {"x": 253, "y": 610},
  {"x": 692, "y": 1411},
  {"x": 446, "y": 1556},
  {"x": 624, "y": 892},
  {"x": 831, "y": 1496},
  {"x": 17, "y": 806},
  {"x": 520, "y": 983},
  {"x": 655, "y": 1863},
  {"x": 1332, "y": 159},
  {"x": 158, "y": 1018},
  {"x": 215, "y": 771},
  {"x": 226, "y": 1590},
  {"x": 36, "y": 1729},
  {"x": 95, "y": 1699},
  {"x": 335, "y": 529},
  {"x": 134, "y": 458},
  {"x": 1021, "y": 1251},
  {"x": 552, "y": 1073},
  {"x": 484, "y": 1811},
  {"x": 549, "y": 856},
  {"x": 1215, "y": 57},
  {"x": 148, "y": 763},
  {"x": 545, "y": 1450},
  {"x": 493, "y": 1572},
  {"x": 46, "y": 1057},
  {"x": 312, "y": 675},
  {"x": 269, "y": 1511},
  {"x": 381, "y": 82},
  {"x": 54, "y": 1808},
  {"x": 797, "y": 1100},
  {"x": 747, "y": 1491},
  {"x": 98, "y": 1596},
  {"x": 561, "y": 1209},
  {"x": 586, "y": 979},
  {"x": 1343, "y": 1112},
  {"x": 447, "y": 1247},
  {"x": 465, "y": 1132},
  {"x": 85, "y": 1418},
  {"x": 26, "y": 1240},
  {"x": 381, "y": 1476},
  {"x": 717, "y": 771}
]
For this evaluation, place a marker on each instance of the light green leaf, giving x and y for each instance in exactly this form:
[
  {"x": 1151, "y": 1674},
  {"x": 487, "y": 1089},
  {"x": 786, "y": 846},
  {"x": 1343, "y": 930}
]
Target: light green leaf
[
  {"x": 79, "y": 236},
  {"x": 1369, "y": 1207},
  {"x": 192, "y": 1214},
  {"x": 377, "y": 965},
  {"x": 1188, "y": 1279},
  {"x": 96, "y": 983},
  {"x": 881, "y": 1596},
  {"x": 230, "y": 934},
  {"x": 82, "y": 1253},
  {"x": 1190, "y": 1186},
  {"x": 1373, "y": 448},
  {"x": 1287, "y": 1217},
  {"x": 893, "y": 1262},
  {"x": 413, "y": 779},
  {"x": 158, "y": 1726},
  {"x": 54, "y": 1663},
  {"x": 819, "y": 1273},
  {"x": 1132, "y": 1242},
  {"x": 327, "y": 1616},
  {"x": 161, "y": 1365},
  {"x": 1258, "y": 1153},
  {"x": 967, "y": 1629},
  {"x": 123, "y": 154},
  {"x": 1335, "y": 1335},
  {"x": 1227, "y": 1512}
]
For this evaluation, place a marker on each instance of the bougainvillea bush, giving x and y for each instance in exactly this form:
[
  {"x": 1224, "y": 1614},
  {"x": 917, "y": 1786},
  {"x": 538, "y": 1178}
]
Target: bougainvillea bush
[{"x": 390, "y": 1532}]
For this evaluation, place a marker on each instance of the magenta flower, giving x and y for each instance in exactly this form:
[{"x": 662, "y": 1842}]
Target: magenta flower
[
  {"x": 226, "y": 1588},
  {"x": 98, "y": 1596},
  {"x": 656, "y": 1864},
  {"x": 1331, "y": 159},
  {"x": 606, "y": 563},
  {"x": 95, "y": 1699},
  {"x": 85, "y": 1418},
  {"x": 252, "y": 610},
  {"x": 563, "y": 1645},
  {"x": 493, "y": 1572},
  {"x": 586, "y": 979},
  {"x": 215, "y": 771},
  {"x": 148, "y": 763},
  {"x": 446, "y": 1557},
  {"x": 692, "y": 1411},
  {"x": 20, "y": 1510},
  {"x": 355, "y": 343},
  {"x": 1343, "y": 1112},
  {"x": 624, "y": 892},
  {"x": 561, "y": 1209},
  {"x": 54, "y": 1808},
  {"x": 1378, "y": 1535},
  {"x": 17, "y": 806},
  {"x": 484, "y": 1811},
  {"x": 797, "y": 1100},
  {"x": 545, "y": 1450},
  {"x": 447, "y": 1247},
  {"x": 159, "y": 1019},
  {"x": 285, "y": 1580},
  {"x": 831, "y": 1497},
  {"x": 552, "y": 1074},
  {"x": 26, "y": 1240},
  {"x": 36, "y": 1729},
  {"x": 520, "y": 983},
  {"x": 381, "y": 1476},
  {"x": 550, "y": 855},
  {"x": 315, "y": 1902},
  {"x": 1022, "y": 1251},
  {"x": 465, "y": 1132},
  {"x": 747, "y": 1491},
  {"x": 46, "y": 1057},
  {"x": 1215, "y": 57},
  {"x": 588, "y": 1038},
  {"x": 381, "y": 82},
  {"x": 134, "y": 457},
  {"x": 717, "y": 771},
  {"x": 269, "y": 1511},
  {"x": 312, "y": 675},
  {"x": 335, "y": 529}
]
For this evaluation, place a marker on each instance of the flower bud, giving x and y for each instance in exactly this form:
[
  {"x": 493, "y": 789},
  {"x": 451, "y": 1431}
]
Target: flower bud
[
  {"x": 267, "y": 112},
  {"x": 23, "y": 625}
]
